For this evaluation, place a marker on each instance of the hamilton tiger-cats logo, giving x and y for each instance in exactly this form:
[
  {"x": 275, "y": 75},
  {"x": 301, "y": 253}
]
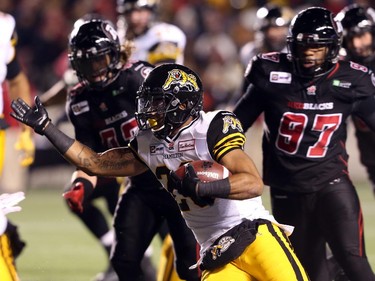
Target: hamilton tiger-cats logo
[{"x": 184, "y": 80}]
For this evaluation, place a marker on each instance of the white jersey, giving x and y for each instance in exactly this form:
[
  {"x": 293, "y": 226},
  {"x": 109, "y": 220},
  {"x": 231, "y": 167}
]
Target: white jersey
[
  {"x": 7, "y": 50},
  {"x": 162, "y": 42},
  {"x": 198, "y": 141}
]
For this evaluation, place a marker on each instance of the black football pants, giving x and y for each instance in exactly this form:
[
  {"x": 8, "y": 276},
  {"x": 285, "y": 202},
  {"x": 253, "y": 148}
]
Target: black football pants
[
  {"x": 331, "y": 215},
  {"x": 139, "y": 215}
]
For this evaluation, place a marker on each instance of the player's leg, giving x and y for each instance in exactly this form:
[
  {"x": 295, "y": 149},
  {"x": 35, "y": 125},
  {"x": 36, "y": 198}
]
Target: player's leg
[
  {"x": 166, "y": 268},
  {"x": 7, "y": 266},
  {"x": 341, "y": 217},
  {"x": 109, "y": 191},
  {"x": 271, "y": 256},
  {"x": 2, "y": 147},
  {"x": 135, "y": 225},
  {"x": 228, "y": 272},
  {"x": 96, "y": 220},
  {"x": 186, "y": 249},
  {"x": 307, "y": 238}
]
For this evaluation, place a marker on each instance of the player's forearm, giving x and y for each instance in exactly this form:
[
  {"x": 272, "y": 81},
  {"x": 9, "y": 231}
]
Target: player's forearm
[{"x": 112, "y": 163}]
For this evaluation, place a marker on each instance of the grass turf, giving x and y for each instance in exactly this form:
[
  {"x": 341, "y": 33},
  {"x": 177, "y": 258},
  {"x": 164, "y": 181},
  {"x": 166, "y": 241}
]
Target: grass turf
[{"x": 59, "y": 248}]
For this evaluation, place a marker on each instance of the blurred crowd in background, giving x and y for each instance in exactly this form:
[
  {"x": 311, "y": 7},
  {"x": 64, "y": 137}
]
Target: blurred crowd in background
[{"x": 216, "y": 31}]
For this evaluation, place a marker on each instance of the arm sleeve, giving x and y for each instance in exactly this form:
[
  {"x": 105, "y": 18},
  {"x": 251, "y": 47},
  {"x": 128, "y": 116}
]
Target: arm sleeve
[
  {"x": 251, "y": 104},
  {"x": 249, "y": 107},
  {"x": 364, "y": 109}
]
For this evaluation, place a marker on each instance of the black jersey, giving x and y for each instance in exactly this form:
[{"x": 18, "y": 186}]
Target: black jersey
[
  {"x": 104, "y": 118},
  {"x": 304, "y": 139}
]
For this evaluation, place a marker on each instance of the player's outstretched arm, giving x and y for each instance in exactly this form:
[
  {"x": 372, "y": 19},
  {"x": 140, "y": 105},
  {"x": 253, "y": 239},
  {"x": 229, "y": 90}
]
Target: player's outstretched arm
[{"x": 113, "y": 162}]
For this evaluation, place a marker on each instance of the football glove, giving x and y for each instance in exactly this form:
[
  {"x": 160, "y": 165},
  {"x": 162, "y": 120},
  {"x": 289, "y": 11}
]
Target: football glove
[
  {"x": 188, "y": 186},
  {"x": 25, "y": 144},
  {"x": 9, "y": 202},
  {"x": 78, "y": 193},
  {"x": 36, "y": 118}
]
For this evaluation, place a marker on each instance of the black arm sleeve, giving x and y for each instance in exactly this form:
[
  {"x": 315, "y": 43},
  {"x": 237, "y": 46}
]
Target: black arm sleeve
[
  {"x": 365, "y": 109},
  {"x": 249, "y": 107}
]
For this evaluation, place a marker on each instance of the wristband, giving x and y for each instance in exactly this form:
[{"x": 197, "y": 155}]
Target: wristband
[
  {"x": 61, "y": 141},
  {"x": 88, "y": 186},
  {"x": 219, "y": 188}
]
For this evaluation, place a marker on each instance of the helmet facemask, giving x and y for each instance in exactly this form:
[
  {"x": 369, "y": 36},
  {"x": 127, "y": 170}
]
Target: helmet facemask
[
  {"x": 163, "y": 113},
  {"x": 94, "y": 53},
  {"x": 96, "y": 70},
  {"x": 320, "y": 66},
  {"x": 358, "y": 25}
]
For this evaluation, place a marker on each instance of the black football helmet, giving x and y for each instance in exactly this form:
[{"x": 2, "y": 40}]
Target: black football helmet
[
  {"x": 94, "y": 52},
  {"x": 314, "y": 27},
  {"x": 357, "y": 20},
  {"x": 170, "y": 94},
  {"x": 273, "y": 15}
]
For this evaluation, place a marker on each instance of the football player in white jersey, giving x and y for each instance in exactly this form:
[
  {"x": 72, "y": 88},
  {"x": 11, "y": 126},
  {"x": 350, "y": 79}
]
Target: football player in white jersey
[
  {"x": 13, "y": 78},
  {"x": 8, "y": 204},
  {"x": 239, "y": 239},
  {"x": 11, "y": 72},
  {"x": 156, "y": 42},
  {"x": 153, "y": 41}
]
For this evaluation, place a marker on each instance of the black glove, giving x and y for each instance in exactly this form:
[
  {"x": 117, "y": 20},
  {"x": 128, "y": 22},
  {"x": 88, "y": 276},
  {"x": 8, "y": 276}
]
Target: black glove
[
  {"x": 187, "y": 186},
  {"x": 35, "y": 118}
]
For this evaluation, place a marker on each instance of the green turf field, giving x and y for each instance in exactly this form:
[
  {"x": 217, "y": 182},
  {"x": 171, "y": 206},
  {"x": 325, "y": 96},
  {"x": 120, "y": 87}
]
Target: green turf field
[{"x": 60, "y": 249}]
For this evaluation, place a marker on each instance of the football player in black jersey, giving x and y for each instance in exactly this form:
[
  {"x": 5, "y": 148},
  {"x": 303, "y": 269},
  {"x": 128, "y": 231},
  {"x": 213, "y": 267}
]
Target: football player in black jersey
[
  {"x": 359, "y": 46},
  {"x": 101, "y": 108},
  {"x": 240, "y": 240},
  {"x": 306, "y": 96}
]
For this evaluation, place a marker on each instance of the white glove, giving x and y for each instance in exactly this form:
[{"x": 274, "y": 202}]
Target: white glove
[
  {"x": 8, "y": 204},
  {"x": 9, "y": 201}
]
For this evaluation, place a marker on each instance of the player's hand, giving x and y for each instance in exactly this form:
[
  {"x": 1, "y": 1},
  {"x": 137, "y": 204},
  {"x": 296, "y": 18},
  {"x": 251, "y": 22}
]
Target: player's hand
[
  {"x": 188, "y": 186},
  {"x": 36, "y": 118},
  {"x": 25, "y": 144},
  {"x": 9, "y": 202},
  {"x": 77, "y": 196}
]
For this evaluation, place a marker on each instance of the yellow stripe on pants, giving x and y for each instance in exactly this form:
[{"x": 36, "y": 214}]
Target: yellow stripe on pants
[
  {"x": 7, "y": 267},
  {"x": 269, "y": 257}
]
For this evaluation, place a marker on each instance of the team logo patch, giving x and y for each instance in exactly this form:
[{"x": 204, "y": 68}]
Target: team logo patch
[
  {"x": 186, "y": 145},
  {"x": 341, "y": 84},
  {"x": 181, "y": 79},
  {"x": 80, "y": 107},
  {"x": 359, "y": 67},
  {"x": 280, "y": 77},
  {"x": 231, "y": 122},
  {"x": 311, "y": 91},
  {"x": 156, "y": 149},
  {"x": 145, "y": 71},
  {"x": 271, "y": 56},
  {"x": 223, "y": 245}
]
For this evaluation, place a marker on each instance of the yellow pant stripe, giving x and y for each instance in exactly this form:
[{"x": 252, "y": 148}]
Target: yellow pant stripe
[
  {"x": 7, "y": 268},
  {"x": 269, "y": 257},
  {"x": 2, "y": 150}
]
